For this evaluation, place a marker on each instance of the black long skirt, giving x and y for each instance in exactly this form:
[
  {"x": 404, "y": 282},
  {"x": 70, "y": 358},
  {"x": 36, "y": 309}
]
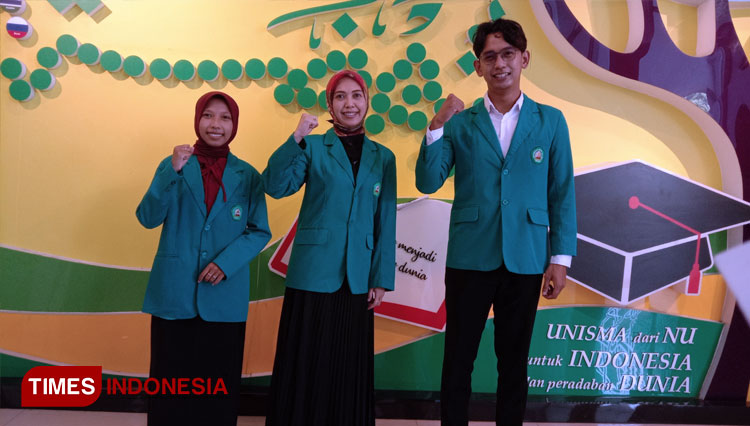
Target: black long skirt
[
  {"x": 195, "y": 348},
  {"x": 323, "y": 370}
]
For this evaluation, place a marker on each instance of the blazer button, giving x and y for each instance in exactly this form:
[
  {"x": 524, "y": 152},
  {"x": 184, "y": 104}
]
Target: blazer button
[
  {"x": 505, "y": 202},
  {"x": 204, "y": 254},
  {"x": 505, "y": 172},
  {"x": 207, "y": 227}
]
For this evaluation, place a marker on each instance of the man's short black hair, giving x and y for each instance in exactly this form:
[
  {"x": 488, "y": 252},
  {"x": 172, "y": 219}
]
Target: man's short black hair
[{"x": 511, "y": 30}]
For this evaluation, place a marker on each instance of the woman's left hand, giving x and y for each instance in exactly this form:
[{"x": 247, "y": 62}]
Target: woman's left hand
[
  {"x": 374, "y": 297},
  {"x": 211, "y": 274}
]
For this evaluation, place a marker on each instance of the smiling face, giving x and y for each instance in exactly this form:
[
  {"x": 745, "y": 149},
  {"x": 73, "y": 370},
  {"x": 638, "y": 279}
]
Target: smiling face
[
  {"x": 215, "y": 125},
  {"x": 349, "y": 104},
  {"x": 500, "y": 64}
]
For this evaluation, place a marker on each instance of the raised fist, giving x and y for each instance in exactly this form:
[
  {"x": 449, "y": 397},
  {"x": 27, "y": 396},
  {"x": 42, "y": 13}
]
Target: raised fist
[
  {"x": 450, "y": 107},
  {"x": 306, "y": 125},
  {"x": 180, "y": 155}
]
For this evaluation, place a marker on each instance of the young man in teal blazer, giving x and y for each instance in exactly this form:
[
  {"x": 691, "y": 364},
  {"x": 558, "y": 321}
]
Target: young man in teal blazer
[{"x": 513, "y": 221}]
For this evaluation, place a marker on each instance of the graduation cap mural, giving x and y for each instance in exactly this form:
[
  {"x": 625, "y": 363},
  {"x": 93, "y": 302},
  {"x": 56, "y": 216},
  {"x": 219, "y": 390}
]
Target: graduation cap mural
[{"x": 641, "y": 229}]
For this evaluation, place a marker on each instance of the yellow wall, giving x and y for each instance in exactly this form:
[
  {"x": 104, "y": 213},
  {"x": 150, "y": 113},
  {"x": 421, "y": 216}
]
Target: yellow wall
[{"x": 74, "y": 163}]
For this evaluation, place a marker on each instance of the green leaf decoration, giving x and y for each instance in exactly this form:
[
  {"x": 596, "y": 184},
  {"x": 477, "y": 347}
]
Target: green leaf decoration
[
  {"x": 495, "y": 10},
  {"x": 299, "y": 14},
  {"x": 377, "y": 29},
  {"x": 428, "y": 11},
  {"x": 314, "y": 41}
]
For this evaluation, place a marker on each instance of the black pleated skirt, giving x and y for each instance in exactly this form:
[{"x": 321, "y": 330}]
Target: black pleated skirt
[
  {"x": 195, "y": 348},
  {"x": 323, "y": 370}
]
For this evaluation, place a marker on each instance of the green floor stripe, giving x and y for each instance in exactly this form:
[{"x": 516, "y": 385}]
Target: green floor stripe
[{"x": 37, "y": 283}]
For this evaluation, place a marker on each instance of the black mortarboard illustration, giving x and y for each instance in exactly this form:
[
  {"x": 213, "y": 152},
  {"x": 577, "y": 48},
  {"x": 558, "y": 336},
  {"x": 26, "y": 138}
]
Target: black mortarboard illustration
[{"x": 641, "y": 229}]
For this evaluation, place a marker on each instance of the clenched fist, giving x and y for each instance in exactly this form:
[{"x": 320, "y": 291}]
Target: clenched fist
[
  {"x": 180, "y": 155},
  {"x": 450, "y": 107},
  {"x": 306, "y": 125}
]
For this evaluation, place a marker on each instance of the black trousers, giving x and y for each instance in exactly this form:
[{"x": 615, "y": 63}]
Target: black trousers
[
  {"x": 194, "y": 348},
  {"x": 468, "y": 297}
]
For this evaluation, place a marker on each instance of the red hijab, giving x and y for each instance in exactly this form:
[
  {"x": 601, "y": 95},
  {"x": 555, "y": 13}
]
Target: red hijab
[
  {"x": 213, "y": 160},
  {"x": 339, "y": 128}
]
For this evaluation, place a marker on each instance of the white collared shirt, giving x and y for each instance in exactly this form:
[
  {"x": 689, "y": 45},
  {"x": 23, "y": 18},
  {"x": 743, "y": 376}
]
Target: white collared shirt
[{"x": 505, "y": 127}]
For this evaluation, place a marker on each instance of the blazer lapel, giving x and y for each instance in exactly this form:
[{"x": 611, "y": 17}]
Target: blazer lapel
[
  {"x": 192, "y": 174},
  {"x": 336, "y": 150},
  {"x": 528, "y": 120},
  {"x": 367, "y": 161},
  {"x": 482, "y": 121},
  {"x": 231, "y": 178}
]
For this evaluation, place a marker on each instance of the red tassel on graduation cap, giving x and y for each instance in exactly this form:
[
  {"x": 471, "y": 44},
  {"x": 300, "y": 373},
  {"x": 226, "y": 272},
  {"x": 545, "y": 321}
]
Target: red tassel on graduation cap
[{"x": 694, "y": 280}]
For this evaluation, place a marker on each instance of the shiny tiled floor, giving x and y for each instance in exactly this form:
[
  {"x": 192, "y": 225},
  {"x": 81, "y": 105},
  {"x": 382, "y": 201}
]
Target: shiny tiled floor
[{"x": 14, "y": 417}]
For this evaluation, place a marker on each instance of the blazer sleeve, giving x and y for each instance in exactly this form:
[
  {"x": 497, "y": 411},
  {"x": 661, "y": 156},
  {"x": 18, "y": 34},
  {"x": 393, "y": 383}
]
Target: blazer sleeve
[
  {"x": 382, "y": 270},
  {"x": 255, "y": 236},
  {"x": 153, "y": 208},
  {"x": 286, "y": 171},
  {"x": 435, "y": 162},
  {"x": 561, "y": 196}
]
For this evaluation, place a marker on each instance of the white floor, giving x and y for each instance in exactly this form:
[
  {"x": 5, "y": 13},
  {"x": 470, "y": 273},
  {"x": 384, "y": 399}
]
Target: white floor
[{"x": 22, "y": 417}]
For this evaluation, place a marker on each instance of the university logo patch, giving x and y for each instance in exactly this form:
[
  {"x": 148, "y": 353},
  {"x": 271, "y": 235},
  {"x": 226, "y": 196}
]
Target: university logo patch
[
  {"x": 237, "y": 212},
  {"x": 537, "y": 154},
  {"x": 376, "y": 189}
]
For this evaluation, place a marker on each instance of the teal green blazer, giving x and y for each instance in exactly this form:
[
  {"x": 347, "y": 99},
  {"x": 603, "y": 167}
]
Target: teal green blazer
[
  {"x": 503, "y": 206},
  {"x": 231, "y": 235},
  {"x": 344, "y": 229}
]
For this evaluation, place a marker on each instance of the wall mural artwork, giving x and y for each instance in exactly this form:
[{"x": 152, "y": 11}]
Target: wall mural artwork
[
  {"x": 403, "y": 107},
  {"x": 715, "y": 81},
  {"x": 625, "y": 326}
]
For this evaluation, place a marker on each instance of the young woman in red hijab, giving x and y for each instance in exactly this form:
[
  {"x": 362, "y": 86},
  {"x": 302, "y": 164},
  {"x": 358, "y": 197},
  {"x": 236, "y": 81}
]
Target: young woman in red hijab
[
  {"x": 341, "y": 263},
  {"x": 212, "y": 210}
]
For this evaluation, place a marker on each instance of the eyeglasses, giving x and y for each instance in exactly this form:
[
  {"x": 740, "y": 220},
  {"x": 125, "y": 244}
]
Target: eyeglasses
[{"x": 507, "y": 55}]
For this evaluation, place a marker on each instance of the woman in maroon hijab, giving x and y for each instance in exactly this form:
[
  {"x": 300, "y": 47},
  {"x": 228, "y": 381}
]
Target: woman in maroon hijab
[
  {"x": 342, "y": 263},
  {"x": 212, "y": 210}
]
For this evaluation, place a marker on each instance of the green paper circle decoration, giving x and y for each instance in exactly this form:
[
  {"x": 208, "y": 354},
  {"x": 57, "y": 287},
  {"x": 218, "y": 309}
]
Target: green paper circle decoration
[
  {"x": 13, "y": 69},
  {"x": 134, "y": 66},
  {"x": 322, "y": 100},
  {"x": 411, "y": 94},
  {"x": 284, "y": 94},
  {"x": 374, "y": 124},
  {"x": 277, "y": 68},
  {"x": 336, "y": 60},
  {"x": 67, "y": 45},
  {"x": 380, "y": 103},
  {"x": 49, "y": 58},
  {"x": 429, "y": 69},
  {"x": 385, "y": 82},
  {"x": 402, "y": 69},
  {"x": 112, "y": 61},
  {"x": 184, "y": 70},
  {"x": 417, "y": 121},
  {"x": 366, "y": 77},
  {"x": 297, "y": 79},
  {"x": 160, "y": 69},
  {"x": 416, "y": 53},
  {"x": 21, "y": 90},
  {"x": 231, "y": 69},
  {"x": 398, "y": 115},
  {"x": 42, "y": 79},
  {"x": 208, "y": 70},
  {"x": 438, "y": 104},
  {"x": 89, "y": 54},
  {"x": 317, "y": 68},
  {"x": 255, "y": 69},
  {"x": 432, "y": 91},
  {"x": 307, "y": 98},
  {"x": 357, "y": 58}
]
